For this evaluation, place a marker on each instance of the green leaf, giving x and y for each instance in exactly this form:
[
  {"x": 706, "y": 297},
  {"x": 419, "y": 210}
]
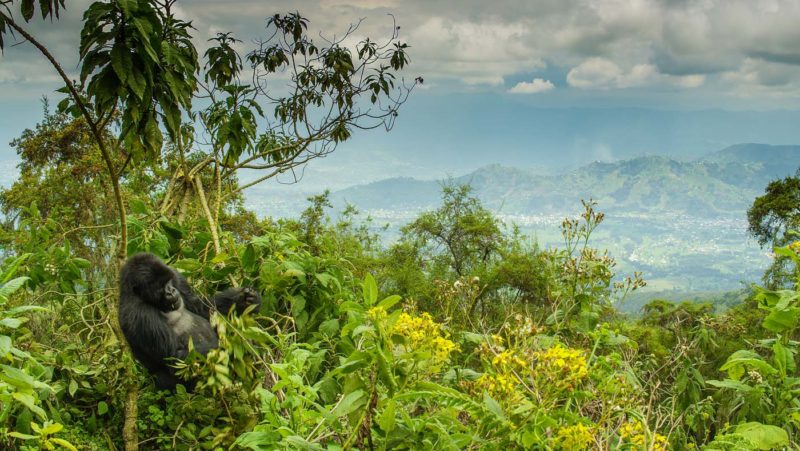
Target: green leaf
[
  {"x": 137, "y": 82},
  {"x": 13, "y": 267},
  {"x": 781, "y": 320},
  {"x": 349, "y": 403},
  {"x": 102, "y": 408},
  {"x": 121, "y": 61},
  {"x": 12, "y": 286},
  {"x": 30, "y": 402},
  {"x": 763, "y": 436},
  {"x": 24, "y": 309},
  {"x": 51, "y": 429},
  {"x": 27, "y": 10},
  {"x": 137, "y": 206},
  {"x": 248, "y": 258},
  {"x": 329, "y": 327},
  {"x": 73, "y": 387},
  {"x": 64, "y": 443},
  {"x": 730, "y": 384},
  {"x": 783, "y": 358},
  {"x": 739, "y": 359},
  {"x": 370, "y": 290},
  {"x": 389, "y": 302},
  {"x": 188, "y": 265},
  {"x": 19, "y": 378},
  {"x": 22, "y": 436},
  {"x": 5, "y": 345},
  {"x": 11, "y": 323},
  {"x": 493, "y": 406},
  {"x": 386, "y": 420}
]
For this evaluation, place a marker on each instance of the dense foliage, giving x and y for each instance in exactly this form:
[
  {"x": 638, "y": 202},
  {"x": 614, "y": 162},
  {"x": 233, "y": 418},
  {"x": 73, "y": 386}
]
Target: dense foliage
[
  {"x": 497, "y": 345},
  {"x": 462, "y": 334}
]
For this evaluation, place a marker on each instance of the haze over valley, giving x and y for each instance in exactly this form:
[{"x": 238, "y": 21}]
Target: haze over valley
[{"x": 681, "y": 222}]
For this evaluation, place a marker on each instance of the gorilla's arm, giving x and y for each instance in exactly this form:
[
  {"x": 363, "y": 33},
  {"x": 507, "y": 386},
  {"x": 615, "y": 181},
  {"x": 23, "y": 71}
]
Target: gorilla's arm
[
  {"x": 150, "y": 337},
  {"x": 192, "y": 302},
  {"x": 241, "y": 298}
]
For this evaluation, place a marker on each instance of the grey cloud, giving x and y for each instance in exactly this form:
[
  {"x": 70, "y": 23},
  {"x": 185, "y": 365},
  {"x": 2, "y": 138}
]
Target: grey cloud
[
  {"x": 783, "y": 58},
  {"x": 473, "y": 43}
]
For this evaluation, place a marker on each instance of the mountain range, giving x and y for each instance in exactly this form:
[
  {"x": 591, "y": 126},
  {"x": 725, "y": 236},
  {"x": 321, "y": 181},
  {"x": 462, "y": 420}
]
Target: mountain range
[{"x": 722, "y": 183}]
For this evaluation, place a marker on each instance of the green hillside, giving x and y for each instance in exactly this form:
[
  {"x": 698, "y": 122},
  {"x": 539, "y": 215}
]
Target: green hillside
[{"x": 723, "y": 183}]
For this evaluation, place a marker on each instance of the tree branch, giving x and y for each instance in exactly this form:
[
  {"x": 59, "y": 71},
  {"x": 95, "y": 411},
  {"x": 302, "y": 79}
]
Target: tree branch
[{"x": 129, "y": 433}]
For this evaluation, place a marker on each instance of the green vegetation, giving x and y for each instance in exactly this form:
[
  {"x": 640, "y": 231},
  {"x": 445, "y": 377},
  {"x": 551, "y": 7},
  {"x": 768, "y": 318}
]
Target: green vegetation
[
  {"x": 459, "y": 335},
  {"x": 464, "y": 333},
  {"x": 774, "y": 219}
]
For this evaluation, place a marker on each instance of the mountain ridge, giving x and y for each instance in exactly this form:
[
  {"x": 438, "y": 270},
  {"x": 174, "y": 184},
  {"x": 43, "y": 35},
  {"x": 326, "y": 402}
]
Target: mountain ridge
[{"x": 720, "y": 183}]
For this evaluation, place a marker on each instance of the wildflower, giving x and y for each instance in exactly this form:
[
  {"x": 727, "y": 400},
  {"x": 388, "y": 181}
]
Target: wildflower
[
  {"x": 508, "y": 361},
  {"x": 564, "y": 365},
  {"x": 423, "y": 334},
  {"x": 756, "y": 376},
  {"x": 500, "y": 386},
  {"x": 636, "y": 434},
  {"x": 577, "y": 437},
  {"x": 377, "y": 314}
]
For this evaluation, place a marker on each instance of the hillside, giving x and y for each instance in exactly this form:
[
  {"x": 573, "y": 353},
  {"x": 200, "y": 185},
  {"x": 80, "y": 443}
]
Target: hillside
[{"x": 721, "y": 184}]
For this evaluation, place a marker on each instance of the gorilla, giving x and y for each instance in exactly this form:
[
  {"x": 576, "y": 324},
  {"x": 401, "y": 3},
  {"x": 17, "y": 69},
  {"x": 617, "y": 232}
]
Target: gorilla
[{"x": 159, "y": 312}]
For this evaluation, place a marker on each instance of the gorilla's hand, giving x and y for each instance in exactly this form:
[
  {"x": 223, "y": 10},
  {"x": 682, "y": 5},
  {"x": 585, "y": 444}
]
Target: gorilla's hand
[
  {"x": 247, "y": 297},
  {"x": 239, "y": 298},
  {"x": 172, "y": 297}
]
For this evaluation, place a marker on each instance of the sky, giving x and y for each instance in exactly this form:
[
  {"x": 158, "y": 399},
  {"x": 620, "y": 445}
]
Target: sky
[{"x": 539, "y": 83}]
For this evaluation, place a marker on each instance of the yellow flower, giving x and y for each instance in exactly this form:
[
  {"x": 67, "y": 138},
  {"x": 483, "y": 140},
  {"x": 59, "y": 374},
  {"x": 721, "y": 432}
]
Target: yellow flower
[
  {"x": 501, "y": 387},
  {"x": 423, "y": 334},
  {"x": 377, "y": 314},
  {"x": 636, "y": 434},
  {"x": 564, "y": 365},
  {"x": 509, "y": 361},
  {"x": 577, "y": 437}
]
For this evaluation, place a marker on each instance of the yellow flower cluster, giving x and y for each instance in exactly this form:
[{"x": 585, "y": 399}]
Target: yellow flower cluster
[
  {"x": 417, "y": 329},
  {"x": 442, "y": 347},
  {"x": 577, "y": 437},
  {"x": 635, "y": 433},
  {"x": 795, "y": 247},
  {"x": 423, "y": 334},
  {"x": 507, "y": 361},
  {"x": 564, "y": 365},
  {"x": 377, "y": 314},
  {"x": 501, "y": 383},
  {"x": 500, "y": 386}
]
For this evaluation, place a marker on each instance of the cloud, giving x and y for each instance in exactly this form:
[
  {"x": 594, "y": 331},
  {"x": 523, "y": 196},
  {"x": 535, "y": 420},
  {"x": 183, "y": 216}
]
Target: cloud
[
  {"x": 536, "y": 86},
  {"x": 594, "y": 73},
  {"x": 603, "y": 74},
  {"x": 710, "y": 45},
  {"x": 472, "y": 52}
]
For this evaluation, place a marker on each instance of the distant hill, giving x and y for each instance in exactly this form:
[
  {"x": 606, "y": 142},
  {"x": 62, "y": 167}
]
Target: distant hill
[
  {"x": 719, "y": 184},
  {"x": 752, "y": 165}
]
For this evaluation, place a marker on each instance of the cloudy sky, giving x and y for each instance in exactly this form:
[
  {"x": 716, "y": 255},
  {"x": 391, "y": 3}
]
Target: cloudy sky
[{"x": 490, "y": 68}]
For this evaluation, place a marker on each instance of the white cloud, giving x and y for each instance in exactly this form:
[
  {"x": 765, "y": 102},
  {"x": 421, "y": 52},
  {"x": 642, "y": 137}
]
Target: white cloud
[
  {"x": 600, "y": 73},
  {"x": 359, "y": 4},
  {"x": 594, "y": 73},
  {"x": 690, "y": 81},
  {"x": 723, "y": 47},
  {"x": 533, "y": 87},
  {"x": 473, "y": 52}
]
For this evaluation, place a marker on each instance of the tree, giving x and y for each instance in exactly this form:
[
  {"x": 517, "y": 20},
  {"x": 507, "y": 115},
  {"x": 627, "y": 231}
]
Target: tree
[
  {"x": 460, "y": 234},
  {"x": 771, "y": 219},
  {"x": 776, "y": 212},
  {"x": 138, "y": 75}
]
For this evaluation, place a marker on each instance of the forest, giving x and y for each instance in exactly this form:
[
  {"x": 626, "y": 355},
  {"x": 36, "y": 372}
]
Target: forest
[{"x": 462, "y": 334}]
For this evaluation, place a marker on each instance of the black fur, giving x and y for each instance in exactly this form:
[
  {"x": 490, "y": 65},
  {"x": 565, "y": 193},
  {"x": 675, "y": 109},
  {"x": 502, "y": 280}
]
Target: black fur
[{"x": 158, "y": 312}]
